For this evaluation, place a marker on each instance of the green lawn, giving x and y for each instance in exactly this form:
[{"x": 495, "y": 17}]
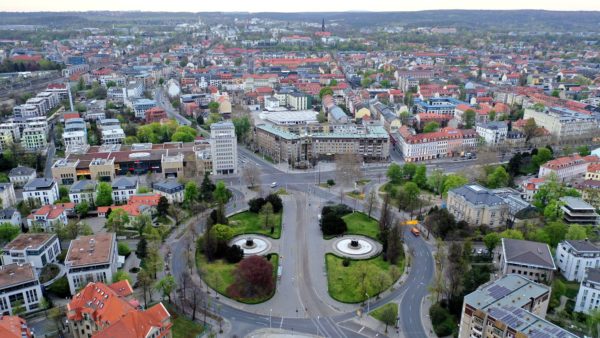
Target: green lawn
[
  {"x": 182, "y": 326},
  {"x": 360, "y": 224},
  {"x": 345, "y": 283},
  {"x": 219, "y": 275},
  {"x": 379, "y": 312},
  {"x": 250, "y": 223}
]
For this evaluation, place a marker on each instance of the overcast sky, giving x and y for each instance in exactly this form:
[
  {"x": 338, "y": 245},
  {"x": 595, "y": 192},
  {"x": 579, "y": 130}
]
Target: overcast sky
[{"x": 290, "y": 6}]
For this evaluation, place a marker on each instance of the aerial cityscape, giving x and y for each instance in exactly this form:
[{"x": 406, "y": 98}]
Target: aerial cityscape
[{"x": 294, "y": 170}]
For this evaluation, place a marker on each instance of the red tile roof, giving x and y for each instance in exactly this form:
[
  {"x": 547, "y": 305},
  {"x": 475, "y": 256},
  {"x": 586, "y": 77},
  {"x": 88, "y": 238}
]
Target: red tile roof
[
  {"x": 49, "y": 211},
  {"x": 14, "y": 327}
]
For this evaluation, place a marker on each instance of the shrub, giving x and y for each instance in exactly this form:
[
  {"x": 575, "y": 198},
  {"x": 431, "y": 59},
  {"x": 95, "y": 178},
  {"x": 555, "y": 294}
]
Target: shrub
[
  {"x": 330, "y": 182},
  {"x": 234, "y": 254},
  {"x": 60, "y": 287},
  {"x": 123, "y": 249},
  {"x": 256, "y": 204},
  {"x": 332, "y": 224},
  {"x": 346, "y": 262},
  {"x": 442, "y": 320}
]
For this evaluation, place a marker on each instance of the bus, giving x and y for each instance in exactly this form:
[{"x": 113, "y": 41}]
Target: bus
[{"x": 415, "y": 231}]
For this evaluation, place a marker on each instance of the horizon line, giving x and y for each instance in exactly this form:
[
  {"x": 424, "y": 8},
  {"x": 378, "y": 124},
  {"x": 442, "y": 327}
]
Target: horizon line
[{"x": 300, "y": 12}]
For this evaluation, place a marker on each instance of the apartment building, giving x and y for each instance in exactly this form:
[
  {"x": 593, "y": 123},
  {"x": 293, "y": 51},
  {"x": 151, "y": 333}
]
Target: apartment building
[
  {"x": 49, "y": 216},
  {"x": 223, "y": 144},
  {"x": 74, "y": 138},
  {"x": 529, "y": 259},
  {"x": 91, "y": 259},
  {"x": 588, "y": 297},
  {"x": 574, "y": 257},
  {"x": 437, "y": 105},
  {"x": 6, "y": 139},
  {"x": 83, "y": 191},
  {"x": 140, "y": 106},
  {"x": 10, "y": 215},
  {"x": 14, "y": 327},
  {"x": 38, "y": 249},
  {"x": 34, "y": 139},
  {"x": 64, "y": 171},
  {"x": 103, "y": 311},
  {"x": 448, "y": 142},
  {"x": 19, "y": 284},
  {"x": 26, "y": 110},
  {"x": 41, "y": 190},
  {"x": 577, "y": 211},
  {"x": 102, "y": 169},
  {"x": 113, "y": 136},
  {"x": 298, "y": 101},
  {"x": 155, "y": 114},
  {"x": 564, "y": 124},
  {"x": 124, "y": 187},
  {"x": 477, "y": 206},
  {"x": 7, "y": 195},
  {"x": 566, "y": 167},
  {"x": 494, "y": 133},
  {"x": 511, "y": 306},
  {"x": 20, "y": 176}
]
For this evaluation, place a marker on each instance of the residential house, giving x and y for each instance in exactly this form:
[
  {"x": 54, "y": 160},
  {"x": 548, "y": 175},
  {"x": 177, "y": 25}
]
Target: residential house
[
  {"x": 91, "y": 259},
  {"x": 511, "y": 306},
  {"x": 10, "y": 215},
  {"x": 448, "y": 142},
  {"x": 103, "y": 311},
  {"x": 83, "y": 191},
  {"x": 565, "y": 168},
  {"x": 573, "y": 257},
  {"x": 171, "y": 189},
  {"x": 38, "y": 249},
  {"x": 588, "y": 297},
  {"x": 20, "y": 176},
  {"x": 41, "y": 191},
  {"x": 494, "y": 133},
  {"x": 49, "y": 216},
  {"x": 124, "y": 187},
  {"x": 7, "y": 195},
  {"x": 19, "y": 284},
  {"x": 477, "y": 206},
  {"x": 14, "y": 327},
  {"x": 529, "y": 259}
]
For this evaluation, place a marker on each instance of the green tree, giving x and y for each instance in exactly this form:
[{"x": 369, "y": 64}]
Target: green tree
[
  {"x": 576, "y": 232},
  {"x": 80, "y": 84},
  {"x": 190, "y": 193},
  {"x": 409, "y": 170},
  {"x": 408, "y": 196},
  {"x": 206, "y": 188},
  {"x": 453, "y": 181},
  {"x": 221, "y": 195},
  {"x": 436, "y": 180},
  {"x": 242, "y": 127},
  {"x": 492, "y": 115},
  {"x": 543, "y": 155},
  {"x": 584, "y": 150},
  {"x": 556, "y": 232},
  {"x": 431, "y": 127},
  {"x": 221, "y": 233},
  {"x": 267, "y": 213},
  {"x": 213, "y": 107},
  {"x": 82, "y": 209},
  {"x": 121, "y": 275},
  {"x": 539, "y": 235},
  {"x": 498, "y": 178},
  {"x": 142, "y": 248},
  {"x": 395, "y": 173},
  {"x": 18, "y": 308},
  {"x": 8, "y": 232},
  {"x": 182, "y": 137},
  {"x": 512, "y": 234},
  {"x": 552, "y": 190},
  {"x": 163, "y": 205},
  {"x": 420, "y": 177},
  {"x": 166, "y": 285},
  {"x": 469, "y": 118},
  {"x": 388, "y": 316},
  {"x": 555, "y": 93},
  {"x": 104, "y": 194},
  {"x": 325, "y": 91},
  {"x": 491, "y": 241},
  {"x": 117, "y": 220}
]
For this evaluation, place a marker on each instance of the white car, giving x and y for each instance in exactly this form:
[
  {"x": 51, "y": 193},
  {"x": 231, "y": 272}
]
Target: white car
[{"x": 273, "y": 185}]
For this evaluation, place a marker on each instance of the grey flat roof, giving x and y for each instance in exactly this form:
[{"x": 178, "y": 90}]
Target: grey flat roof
[
  {"x": 83, "y": 185},
  {"x": 124, "y": 182},
  {"x": 583, "y": 245},
  {"x": 477, "y": 194},
  {"x": 528, "y": 253},
  {"x": 593, "y": 275},
  {"x": 576, "y": 203},
  {"x": 21, "y": 171},
  {"x": 39, "y": 182}
]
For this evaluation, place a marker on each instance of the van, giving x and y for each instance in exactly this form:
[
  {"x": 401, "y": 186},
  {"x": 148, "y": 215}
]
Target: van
[
  {"x": 415, "y": 231},
  {"x": 273, "y": 185}
]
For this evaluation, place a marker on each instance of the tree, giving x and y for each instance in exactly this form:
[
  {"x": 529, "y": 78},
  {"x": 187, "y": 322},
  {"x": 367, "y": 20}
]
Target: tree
[
  {"x": 190, "y": 193},
  {"x": 543, "y": 155},
  {"x": 154, "y": 261},
  {"x": 583, "y": 150},
  {"x": 492, "y": 115},
  {"x": 63, "y": 193},
  {"x": 529, "y": 129},
  {"x": 253, "y": 278},
  {"x": 121, "y": 275},
  {"x": 453, "y": 181},
  {"x": 251, "y": 175},
  {"x": 206, "y": 188},
  {"x": 552, "y": 190},
  {"x": 141, "y": 223},
  {"x": 117, "y": 220},
  {"x": 556, "y": 232},
  {"x": 394, "y": 245},
  {"x": 593, "y": 322},
  {"x": 145, "y": 281},
  {"x": 104, "y": 194},
  {"x": 255, "y": 204},
  {"x": 321, "y": 118},
  {"x": 18, "y": 308},
  {"x": 347, "y": 168},
  {"x": 234, "y": 254},
  {"x": 395, "y": 173},
  {"x": 332, "y": 224},
  {"x": 371, "y": 202},
  {"x": 163, "y": 205},
  {"x": 420, "y": 177},
  {"x": 213, "y": 107},
  {"x": 82, "y": 209},
  {"x": 436, "y": 180},
  {"x": 325, "y": 91},
  {"x": 431, "y": 127},
  {"x": 469, "y": 118},
  {"x": 242, "y": 127},
  {"x": 455, "y": 269},
  {"x": 576, "y": 232},
  {"x": 166, "y": 285},
  {"x": 8, "y": 232},
  {"x": 512, "y": 234},
  {"x": 409, "y": 170},
  {"x": 491, "y": 241},
  {"x": 408, "y": 196},
  {"x": 221, "y": 233},
  {"x": 498, "y": 178},
  {"x": 275, "y": 201},
  {"x": 142, "y": 248},
  {"x": 267, "y": 212}
]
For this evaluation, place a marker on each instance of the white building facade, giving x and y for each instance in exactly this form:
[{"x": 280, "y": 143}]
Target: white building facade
[
  {"x": 574, "y": 257},
  {"x": 223, "y": 143}
]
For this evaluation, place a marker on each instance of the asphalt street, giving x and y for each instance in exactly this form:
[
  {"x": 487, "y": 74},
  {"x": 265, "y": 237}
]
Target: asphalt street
[{"x": 301, "y": 303}]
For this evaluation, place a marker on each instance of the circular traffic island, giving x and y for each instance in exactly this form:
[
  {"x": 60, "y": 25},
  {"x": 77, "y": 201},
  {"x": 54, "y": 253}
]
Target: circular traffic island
[
  {"x": 252, "y": 244},
  {"x": 356, "y": 247}
]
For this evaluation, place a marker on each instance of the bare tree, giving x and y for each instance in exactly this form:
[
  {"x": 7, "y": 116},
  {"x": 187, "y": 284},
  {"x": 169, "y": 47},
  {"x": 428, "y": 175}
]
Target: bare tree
[
  {"x": 371, "y": 202},
  {"x": 196, "y": 299},
  {"x": 347, "y": 169},
  {"x": 251, "y": 175}
]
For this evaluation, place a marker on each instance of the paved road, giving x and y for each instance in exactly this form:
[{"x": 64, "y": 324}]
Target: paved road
[
  {"x": 49, "y": 159},
  {"x": 163, "y": 102},
  {"x": 302, "y": 285}
]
